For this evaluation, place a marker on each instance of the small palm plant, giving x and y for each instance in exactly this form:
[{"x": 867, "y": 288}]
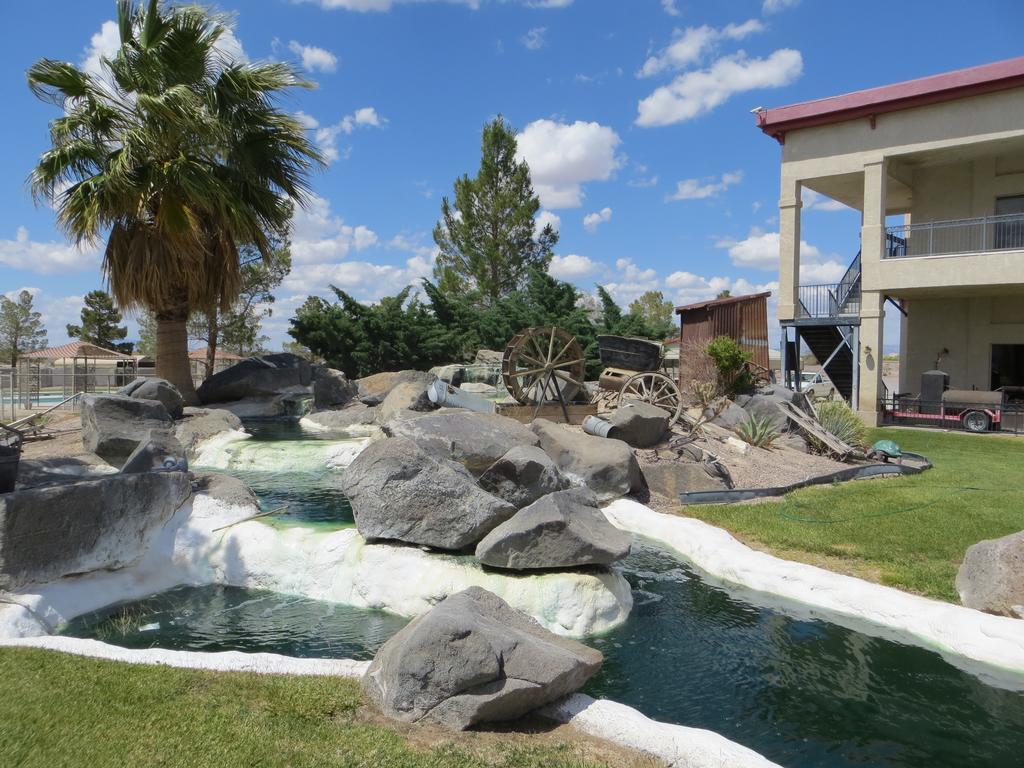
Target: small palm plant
[
  {"x": 758, "y": 431},
  {"x": 836, "y": 417}
]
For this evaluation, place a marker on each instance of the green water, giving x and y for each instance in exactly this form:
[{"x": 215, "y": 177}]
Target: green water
[{"x": 806, "y": 694}]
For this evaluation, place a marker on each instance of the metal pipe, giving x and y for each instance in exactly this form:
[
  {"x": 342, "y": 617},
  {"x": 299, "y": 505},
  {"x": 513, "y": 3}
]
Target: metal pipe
[
  {"x": 443, "y": 394},
  {"x": 595, "y": 425}
]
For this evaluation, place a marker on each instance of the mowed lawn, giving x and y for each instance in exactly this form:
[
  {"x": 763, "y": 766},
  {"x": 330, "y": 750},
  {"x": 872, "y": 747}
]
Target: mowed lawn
[
  {"x": 908, "y": 532},
  {"x": 63, "y": 710}
]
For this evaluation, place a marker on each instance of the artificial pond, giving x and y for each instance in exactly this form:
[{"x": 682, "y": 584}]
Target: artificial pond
[{"x": 800, "y": 692}]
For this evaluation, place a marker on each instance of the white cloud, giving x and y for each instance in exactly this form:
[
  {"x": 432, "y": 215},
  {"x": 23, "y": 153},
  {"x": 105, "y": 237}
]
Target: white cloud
[
  {"x": 564, "y": 156},
  {"x": 669, "y": 6},
  {"x": 318, "y": 236},
  {"x": 813, "y": 201},
  {"x": 102, "y": 45},
  {"x": 830, "y": 271},
  {"x": 643, "y": 182},
  {"x": 697, "y": 189},
  {"x": 691, "y": 44},
  {"x": 694, "y": 93},
  {"x": 535, "y": 39},
  {"x": 314, "y": 58},
  {"x": 593, "y": 220},
  {"x": 775, "y": 6},
  {"x": 413, "y": 244},
  {"x": 760, "y": 250},
  {"x": 46, "y": 258},
  {"x": 326, "y": 136},
  {"x": 571, "y": 267},
  {"x": 543, "y": 219}
]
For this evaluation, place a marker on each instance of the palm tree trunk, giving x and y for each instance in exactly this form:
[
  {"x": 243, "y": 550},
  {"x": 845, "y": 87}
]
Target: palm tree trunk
[{"x": 172, "y": 352}]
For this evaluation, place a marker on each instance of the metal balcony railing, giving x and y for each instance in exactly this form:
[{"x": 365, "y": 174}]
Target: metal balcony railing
[
  {"x": 939, "y": 238},
  {"x": 829, "y": 300}
]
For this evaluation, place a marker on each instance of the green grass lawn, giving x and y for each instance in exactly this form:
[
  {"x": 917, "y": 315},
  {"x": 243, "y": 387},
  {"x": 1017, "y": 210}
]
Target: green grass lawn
[
  {"x": 908, "y": 532},
  {"x": 62, "y": 710}
]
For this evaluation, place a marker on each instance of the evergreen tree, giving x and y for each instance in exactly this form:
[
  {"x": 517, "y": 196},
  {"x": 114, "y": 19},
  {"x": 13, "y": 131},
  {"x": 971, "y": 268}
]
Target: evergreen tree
[
  {"x": 21, "y": 327},
  {"x": 655, "y": 310},
  {"x": 146, "y": 345},
  {"x": 488, "y": 241},
  {"x": 101, "y": 324}
]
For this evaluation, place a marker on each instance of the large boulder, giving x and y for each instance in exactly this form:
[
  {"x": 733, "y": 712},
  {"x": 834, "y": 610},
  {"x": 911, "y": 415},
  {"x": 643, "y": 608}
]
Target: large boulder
[
  {"x": 410, "y": 394},
  {"x": 488, "y": 357},
  {"x": 160, "y": 451},
  {"x": 605, "y": 466},
  {"x": 58, "y": 530},
  {"x": 564, "y": 529},
  {"x": 670, "y": 478},
  {"x": 198, "y": 425},
  {"x": 640, "y": 424},
  {"x": 331, "y": 388},
  {"x": 476, "y": 440},
  {"x": 354, "y": 416},
  {"x": 114, "y": 425},
  {"x": 257, "y": 377},
  {"x": 474, "y": 659},
  {"x": 399, "y": 491},
  {"x": 991, "y": 577},
  {"x": 767, "y": 407},
  {"x": 157, "y": 389},
  {"x": 374, "y": 388},
  {"x": 730, "y": 414},
  {"x": 522, "y": 475}
]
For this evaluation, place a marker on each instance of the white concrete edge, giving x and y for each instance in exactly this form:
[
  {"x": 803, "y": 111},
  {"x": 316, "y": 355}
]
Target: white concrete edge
[
  {"x": 677, "y": 745},
  {"x": 989, "y": 647},
  {"x": 211, "y": 446}
]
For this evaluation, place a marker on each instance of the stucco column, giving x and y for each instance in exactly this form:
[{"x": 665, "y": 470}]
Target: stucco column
[
  {"x": 872, "y": 316},
  {"x": 789, "y": 248}
]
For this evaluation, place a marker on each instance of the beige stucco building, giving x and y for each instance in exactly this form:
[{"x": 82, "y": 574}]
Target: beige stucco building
[{"x": 936, "y": 168}]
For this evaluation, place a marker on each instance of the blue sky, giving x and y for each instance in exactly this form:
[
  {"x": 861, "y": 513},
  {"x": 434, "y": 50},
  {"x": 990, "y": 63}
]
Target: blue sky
[{"x": 634, "y": 116}]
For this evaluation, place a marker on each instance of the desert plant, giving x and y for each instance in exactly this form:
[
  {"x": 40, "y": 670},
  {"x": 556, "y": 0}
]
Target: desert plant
[
  {"x": 837, "y": 417},
  {"x": 730, "y": 361},
  {"x": 758, "y": 431}
]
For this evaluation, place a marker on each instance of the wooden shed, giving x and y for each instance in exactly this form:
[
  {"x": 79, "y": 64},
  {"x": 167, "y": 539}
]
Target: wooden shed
[{"x": 744, "y": 318}]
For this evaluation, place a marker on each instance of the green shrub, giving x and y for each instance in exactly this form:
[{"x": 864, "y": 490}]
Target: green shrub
[
  {"x": 730, "y": 359},
  {"x": 837, "y": 418},
  {"x": 758, "y": 431}
]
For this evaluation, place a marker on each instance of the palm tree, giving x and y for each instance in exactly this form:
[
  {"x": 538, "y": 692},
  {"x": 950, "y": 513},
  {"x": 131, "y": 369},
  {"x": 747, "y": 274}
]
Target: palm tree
[{"x": 179, "y": 154}]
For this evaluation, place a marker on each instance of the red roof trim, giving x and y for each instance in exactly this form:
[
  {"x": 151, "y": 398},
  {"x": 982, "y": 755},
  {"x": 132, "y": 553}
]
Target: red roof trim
[
  {"x": 973, "y": 81},
  {"x": 720, "y": 302}
]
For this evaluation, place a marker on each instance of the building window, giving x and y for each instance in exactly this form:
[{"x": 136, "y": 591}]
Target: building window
[
  {"x": 1007, "y": 365},
  {"x": 1010, "y": 233}
]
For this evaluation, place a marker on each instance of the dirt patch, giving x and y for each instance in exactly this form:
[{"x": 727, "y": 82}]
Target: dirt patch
[
  {"x": 65, "y": 442},
  {"x": 530, "y": 732}
]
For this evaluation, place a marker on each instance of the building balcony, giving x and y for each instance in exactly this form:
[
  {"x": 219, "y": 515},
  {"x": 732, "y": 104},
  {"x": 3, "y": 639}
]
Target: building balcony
[{"x": 985, "y": 234}]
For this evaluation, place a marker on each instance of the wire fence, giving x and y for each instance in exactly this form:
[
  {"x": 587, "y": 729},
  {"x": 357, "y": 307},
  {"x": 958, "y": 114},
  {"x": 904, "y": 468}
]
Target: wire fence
[{"x": 906, "y": 410}]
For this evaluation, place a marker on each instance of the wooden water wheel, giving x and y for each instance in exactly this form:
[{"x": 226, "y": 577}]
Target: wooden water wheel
[
  {"x": 655, "y": 388},
  {"x": 541, "y": 362}
]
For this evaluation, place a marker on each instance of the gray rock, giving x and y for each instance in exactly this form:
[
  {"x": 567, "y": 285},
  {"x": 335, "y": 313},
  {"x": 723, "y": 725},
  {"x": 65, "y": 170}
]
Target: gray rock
[
  {"x": 523, "y": 475},
  {"x": 407, "y": 395},
  {"x": 671, "y": 478},
  {"x": 331, "y": 388},
  {"x": 991, "y": 578},
  {"x": 254, "y": 408},
  {"x": 399, "y": 491},
  {"x": 564, "y": 529},
  {"x": 374, "y": 388},
  {"x": 605, "y": 466},
  {"x": 226, "y": 488},
  {"x": 114, "y": 425},
  {"x": 157, "y": 389},
  {"x": 199, "y": 424},
  {"x": 352, "y": 415},
  {"x": 731, "y": 416},
  {"x": 474, "y": 659},
  {"x": 488, "y": 357},
  {"x": 640, "y": 424},
  {"x": 793, "y": 441},
  {"x": 477, "y": 440},
  {"x": 256, "y": 377},
  {"x": 767, "y": 407},
  {"x": 54, "y": 531},
  {"x": 160, "y": 451}
]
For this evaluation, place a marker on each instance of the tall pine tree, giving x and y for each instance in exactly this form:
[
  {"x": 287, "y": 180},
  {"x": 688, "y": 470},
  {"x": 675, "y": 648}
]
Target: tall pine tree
[
  {"x": 487, "y": 239},
  {"x": 101, "y": 324}
]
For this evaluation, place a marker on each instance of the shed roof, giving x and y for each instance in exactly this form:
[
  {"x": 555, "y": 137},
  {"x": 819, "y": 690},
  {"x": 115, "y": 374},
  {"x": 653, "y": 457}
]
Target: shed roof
[
  {"x": 75, "y": 349},
  {"x": 934, "y": 89},
  {"x": 220, "y": 354},
  {"x": 721, "y": 302}
]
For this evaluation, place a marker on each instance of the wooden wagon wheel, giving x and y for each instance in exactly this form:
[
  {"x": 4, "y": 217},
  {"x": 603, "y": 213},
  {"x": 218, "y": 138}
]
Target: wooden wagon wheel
[
  {"x": 540, "y": 358},
  {"x": 655, "y": 388}
]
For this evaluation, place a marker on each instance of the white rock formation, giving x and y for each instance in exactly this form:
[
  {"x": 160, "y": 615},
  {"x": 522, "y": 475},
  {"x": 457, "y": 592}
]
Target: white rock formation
[{"x": 233, "y": 451}]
